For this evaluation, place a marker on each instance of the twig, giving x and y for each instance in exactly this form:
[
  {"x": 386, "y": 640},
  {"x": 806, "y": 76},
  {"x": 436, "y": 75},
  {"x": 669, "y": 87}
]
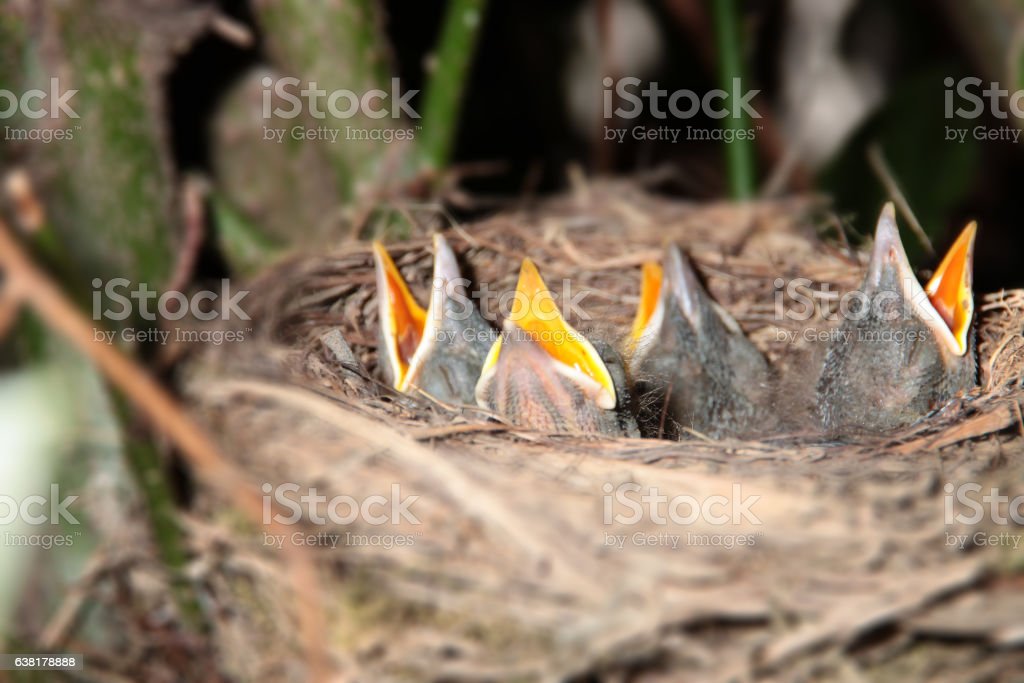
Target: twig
[
  {"x": 193, "y": 194},
  {"x": 427, "y": 433},
  {"x": 838, "y": 225},
  {"x": 39, "y": 292},
  {"x": 234, "y": 32},
  {"x": 55, "y": 634},
  {"x": 584, "y": 261},
  {"x": 878, "y": 164},
  {"x": 28, "y": 210},
  {"x": 700, "y": 435},
  {"x": 664, "y": 411},
  {"x": 782, "y": 171}
]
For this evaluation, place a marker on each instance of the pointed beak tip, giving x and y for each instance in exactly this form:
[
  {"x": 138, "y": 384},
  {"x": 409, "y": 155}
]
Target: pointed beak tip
[
  {"x": 886, "y": 231},
  {"x": 683, "y": 284},
  {"x": 673, "y": 259},
  {"x": 970, "y": 233},
  {"x": 528, "y": 287},
  {"x": 446, "y": 266},
  {"x": 382, "y": 259},
  {"x": 888, "y": 251},
  {"x": 606, "y": 399},
  {"x": 528, "y": 269}
]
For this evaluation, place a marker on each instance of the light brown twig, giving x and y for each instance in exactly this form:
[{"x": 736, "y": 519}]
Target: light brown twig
[{"x": 39, "y": 292}]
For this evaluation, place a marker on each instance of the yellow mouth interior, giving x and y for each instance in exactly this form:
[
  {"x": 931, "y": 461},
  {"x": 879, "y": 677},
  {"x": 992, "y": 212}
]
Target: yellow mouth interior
[
  {"x": 650, "y": 291},
  {"x": 402, "y": 318},
  {"x": 535, "y": 312},
  {"x": 950, "y": 289}
]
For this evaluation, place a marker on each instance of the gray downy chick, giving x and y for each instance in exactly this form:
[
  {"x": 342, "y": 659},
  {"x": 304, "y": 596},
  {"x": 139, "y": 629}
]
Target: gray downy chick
[
  {"x": 691, "y": 364},
  {"x": 903, "y": 351}
]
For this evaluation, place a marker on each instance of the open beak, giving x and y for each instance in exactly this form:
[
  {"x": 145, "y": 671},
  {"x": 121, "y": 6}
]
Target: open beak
[
  {"x": 950, "y": 289},
  {"x": 946, "y": 306},
  {"x": 549, "y": 347},
  {"x": 409, "y": 332},
  {"x": 402, "y": 320},
  {"x": 677, "y": 285}
]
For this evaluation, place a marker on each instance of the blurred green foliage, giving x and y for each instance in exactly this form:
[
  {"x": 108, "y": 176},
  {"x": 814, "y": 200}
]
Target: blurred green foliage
[
  {"x": 112, "y": 202},
  {"x": 113, "y": 209}
]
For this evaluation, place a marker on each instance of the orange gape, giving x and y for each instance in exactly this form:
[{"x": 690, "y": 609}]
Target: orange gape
[
  {"x": 536, "y": 313},
  {"x": 536, "y": 327},
  {"x": 407, "y": 318},
  {"x": 949, "y": 290},
  {"x": 408, "y": 326},
  {"x": 650, "y": 290}
]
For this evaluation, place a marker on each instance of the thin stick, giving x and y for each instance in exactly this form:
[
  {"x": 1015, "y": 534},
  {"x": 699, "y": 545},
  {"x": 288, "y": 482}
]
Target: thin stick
[
  {"x": 68, "y": 614},
  {"x": 878, "y": 164},
  {"x": 40, "y": 293},
  {"x": 193, "y": 212},
  {"x": 441, "y": 432},
  {"x": 234, "y": 32}
]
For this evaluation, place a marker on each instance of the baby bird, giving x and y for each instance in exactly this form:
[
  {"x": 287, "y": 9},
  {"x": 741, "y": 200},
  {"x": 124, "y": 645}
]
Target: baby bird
[
  {"x": 440, "y": 350},
  {"x": 904, "y": 351},
  {"x": 543, "y": 374},
  {"x": 692, "y": 366}
]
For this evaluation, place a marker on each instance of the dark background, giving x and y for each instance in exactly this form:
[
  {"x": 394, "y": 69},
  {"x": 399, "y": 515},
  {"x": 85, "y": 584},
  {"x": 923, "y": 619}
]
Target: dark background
[{"x": 515, "y": 113}]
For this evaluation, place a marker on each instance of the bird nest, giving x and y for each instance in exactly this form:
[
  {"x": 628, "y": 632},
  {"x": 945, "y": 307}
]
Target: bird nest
[{"x": 523, "y": 558}]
